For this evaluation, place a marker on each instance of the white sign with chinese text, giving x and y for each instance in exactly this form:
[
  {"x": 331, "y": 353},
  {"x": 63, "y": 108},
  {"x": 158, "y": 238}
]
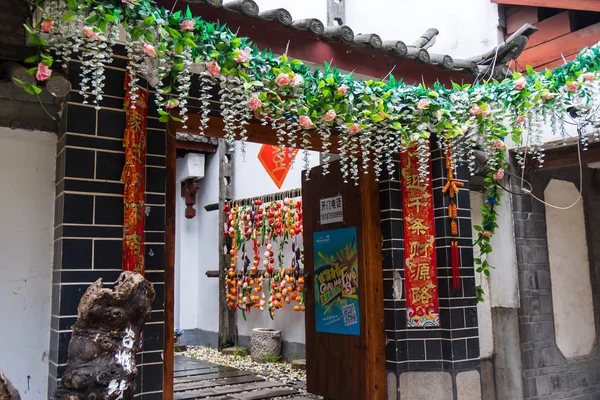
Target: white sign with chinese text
[{"x": 332, "y": 210}]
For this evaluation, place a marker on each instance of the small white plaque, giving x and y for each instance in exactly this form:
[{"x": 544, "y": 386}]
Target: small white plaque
[{"x": 332, "y": 210}]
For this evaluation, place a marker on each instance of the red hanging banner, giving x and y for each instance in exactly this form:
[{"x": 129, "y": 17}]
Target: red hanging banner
[
  {"x": 420, "y": 275},
  {"x": 134, "y": 177},
  {"x": 276, "y": 163}
]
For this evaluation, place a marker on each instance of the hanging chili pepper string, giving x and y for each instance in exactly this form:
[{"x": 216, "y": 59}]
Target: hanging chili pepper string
[{"x": 451, "y": 188}]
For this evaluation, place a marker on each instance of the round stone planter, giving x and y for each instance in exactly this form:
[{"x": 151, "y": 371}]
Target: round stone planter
[{"x": 265, "y": 344}]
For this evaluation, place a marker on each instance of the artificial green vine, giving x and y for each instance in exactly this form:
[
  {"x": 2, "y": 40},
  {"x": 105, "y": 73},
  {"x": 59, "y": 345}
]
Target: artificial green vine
[{"x": 373, "y": 118}]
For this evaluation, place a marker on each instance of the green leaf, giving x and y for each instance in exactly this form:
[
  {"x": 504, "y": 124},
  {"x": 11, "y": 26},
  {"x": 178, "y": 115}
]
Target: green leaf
[
  {"x": 72, "y": 4},
  {"x": 376, "y": 118},
  {"x": 530, "y": 70},
  {"x": 93, "y": 19},
  {"x": 32, "y": 59},
  {"x": 149, "y": 36},
  {"x": 284, "y": 59},
  {"x": 164, "y": 118},
  {"x": 188, "y": 13},
  {"x": 31, "y": 71},
  {"x": 330, "y": 80},
  {"x": 321, "y": 85},
  {"x": 28, "y": 29},
  {"x": 32, "y": 89},
  {"x": 538, "y": 85},
  {"x": 149, "y": 20},
  {"x": 68, "y": 16},
  {"x": 37, "y": 39},
  {"x": 136, "y": 33},
  {"x": 102, "y": 25},
  {"x": 18, "y": 81},
  {"x": 179, "y": 47},
  {"x": 190, "y": 43},
  {"x": 110, "y": 17}
]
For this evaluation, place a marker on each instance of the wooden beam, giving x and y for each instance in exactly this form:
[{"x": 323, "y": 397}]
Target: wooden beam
[
  {"x": 196, "y": 146},
  {"x": 226, "y": 334},
  {"x": 257, "y": 133},
  {"x": 523, "y": 15},
  {"x": 551, "y": 28},
  {"x": 584, "y": 5},
  {"x": 566, "y": 156},
  {"x": 169, "y": 310},
  {"x": 567, "y": 44}
]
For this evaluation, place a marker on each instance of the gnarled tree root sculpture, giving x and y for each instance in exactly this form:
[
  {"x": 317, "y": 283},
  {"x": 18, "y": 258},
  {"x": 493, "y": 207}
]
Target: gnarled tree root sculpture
[
  {"x": 101, "y": 358},
  {"x": 7, "y": 390}
]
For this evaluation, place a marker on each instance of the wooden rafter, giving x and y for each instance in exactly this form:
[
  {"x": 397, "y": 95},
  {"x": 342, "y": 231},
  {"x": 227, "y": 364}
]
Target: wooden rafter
[
  {"x": 257, "y": 133},
  {"x": 585, "y": 5}
]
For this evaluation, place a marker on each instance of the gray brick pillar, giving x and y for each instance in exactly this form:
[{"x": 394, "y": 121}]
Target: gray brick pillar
[
  {"x": 89, "y": 219},
  {"x": 429, "y": 355}
]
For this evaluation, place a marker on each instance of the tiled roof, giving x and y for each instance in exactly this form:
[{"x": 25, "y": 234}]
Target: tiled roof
[{"x": 417, "y": 51}]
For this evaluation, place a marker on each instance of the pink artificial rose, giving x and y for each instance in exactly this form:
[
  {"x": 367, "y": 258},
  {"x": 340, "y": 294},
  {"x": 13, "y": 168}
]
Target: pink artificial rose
[
  {"x": 499, "y": 175},
  {"x": 520, "y": 83},
  {"x": 149, "y": 50},
  {"x": 521, "y": 119},
  {"x": 486, "y": 234},
  {"x": 214, "y": 68},
  {"x": 342, "y": 90},
  {"x": 43, "y": 72},
  {"x": 46, "y": 26},
  {"x": 241, "y": 57},
  {"x": 354, "y": 128},
  {"x": 297, "y": 81},
  {"x": 283, "y": 79},
  {"x": 187, "y": 25},
  {"x": 571, "y": 87},
  {"x": 329, "y": 116},
  {"x": 171, "y": 104},
  {"x": 589, "y": 76},
  {"x": 423, "y": 103},
  {"x": 89, "y": 32},
  {"x": 254, "y": 102},
  {"x": 476, "y": 110},
  {"x": 499, "y": 144},
  {"x": 464, "y": 129},
  {"x": 305, "y": 122},
  {"x": 548, "y": 96}
]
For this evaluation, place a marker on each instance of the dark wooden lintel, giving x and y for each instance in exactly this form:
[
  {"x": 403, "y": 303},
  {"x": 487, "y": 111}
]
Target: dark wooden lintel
[{"x": 196, "y": 146}]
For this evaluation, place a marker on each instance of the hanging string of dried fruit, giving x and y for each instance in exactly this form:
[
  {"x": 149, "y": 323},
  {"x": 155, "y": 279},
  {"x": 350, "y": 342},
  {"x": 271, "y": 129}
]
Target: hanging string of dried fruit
[{"x": 264, "y": 224}]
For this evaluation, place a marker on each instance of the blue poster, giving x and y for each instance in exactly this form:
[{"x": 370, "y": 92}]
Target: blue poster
[{"x": 336, "y": 282}]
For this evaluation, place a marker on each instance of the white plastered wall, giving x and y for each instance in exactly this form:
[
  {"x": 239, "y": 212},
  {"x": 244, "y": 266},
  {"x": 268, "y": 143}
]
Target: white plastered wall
[
  {"x": 569, "y": 271},
  {"x": 27, "y": 165}
]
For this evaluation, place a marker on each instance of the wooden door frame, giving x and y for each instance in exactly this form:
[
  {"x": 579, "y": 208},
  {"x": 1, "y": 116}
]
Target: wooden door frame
[{"x": 375, "y": 334}]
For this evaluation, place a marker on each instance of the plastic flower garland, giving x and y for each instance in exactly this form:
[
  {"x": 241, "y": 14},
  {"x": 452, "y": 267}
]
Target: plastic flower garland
[{"x": 374, "y": 119}]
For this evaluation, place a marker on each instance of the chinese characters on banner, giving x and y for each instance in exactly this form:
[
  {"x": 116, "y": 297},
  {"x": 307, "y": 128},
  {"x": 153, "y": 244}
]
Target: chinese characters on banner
[
  {"x": 134, "y": 178},
  {"x": 276, "y": 163},
  {"x": 336, "y": 282},
  {"x": 420, "y": 273}
]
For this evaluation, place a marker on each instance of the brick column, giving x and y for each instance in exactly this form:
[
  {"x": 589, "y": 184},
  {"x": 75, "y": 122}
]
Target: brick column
[
  {"x": 430, "y": 359},
  {"x": 89, "y": 218}
]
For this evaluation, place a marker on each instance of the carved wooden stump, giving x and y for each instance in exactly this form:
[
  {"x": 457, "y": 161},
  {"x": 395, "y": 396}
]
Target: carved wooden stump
[
  {"x": 7, "y": 390},
  {"x": 101, "y": 358}
]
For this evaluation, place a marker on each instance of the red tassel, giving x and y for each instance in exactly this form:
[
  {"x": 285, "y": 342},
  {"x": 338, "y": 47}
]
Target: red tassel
[{"x": 455, "y": 265}]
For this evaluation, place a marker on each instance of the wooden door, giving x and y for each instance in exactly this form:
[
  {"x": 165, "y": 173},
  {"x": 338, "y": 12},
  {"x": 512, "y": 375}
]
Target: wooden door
[{"x": 344, "y": 361}]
